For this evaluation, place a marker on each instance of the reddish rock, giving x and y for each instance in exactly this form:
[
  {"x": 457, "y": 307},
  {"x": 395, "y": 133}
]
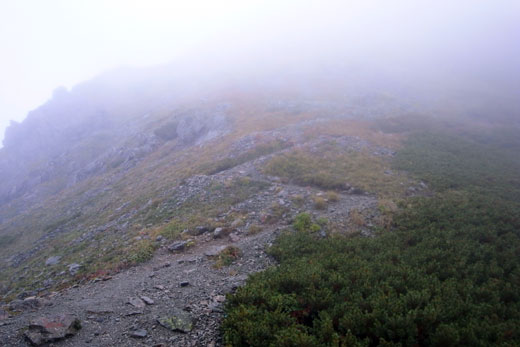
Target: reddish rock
[{"x": 49, "y": 329}]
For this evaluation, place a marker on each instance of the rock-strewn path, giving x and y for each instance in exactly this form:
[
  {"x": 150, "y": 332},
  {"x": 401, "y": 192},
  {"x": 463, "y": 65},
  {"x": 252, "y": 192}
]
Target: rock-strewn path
[{"x": 183, "y": 290}]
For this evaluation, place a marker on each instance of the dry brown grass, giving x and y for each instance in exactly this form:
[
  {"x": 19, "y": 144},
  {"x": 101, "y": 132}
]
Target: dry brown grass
[
  {"x": 362, "y": 129},
  {"x": 332, "y": 196},
  {"x": 254, "y": 229},
  {"x": 357, "y": 218},
  {"x": 331, "y": 168},
  {"x": 319, "y": 203}
]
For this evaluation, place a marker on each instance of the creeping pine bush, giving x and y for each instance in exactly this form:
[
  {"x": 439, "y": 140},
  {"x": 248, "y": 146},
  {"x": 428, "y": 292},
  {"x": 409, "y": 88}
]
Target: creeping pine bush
[{"x": 447, "y": 276}]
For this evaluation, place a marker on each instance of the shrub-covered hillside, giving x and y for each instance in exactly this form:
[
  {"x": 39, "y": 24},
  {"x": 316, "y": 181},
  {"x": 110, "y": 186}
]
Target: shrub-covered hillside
[{"x": 446, "y": 274}]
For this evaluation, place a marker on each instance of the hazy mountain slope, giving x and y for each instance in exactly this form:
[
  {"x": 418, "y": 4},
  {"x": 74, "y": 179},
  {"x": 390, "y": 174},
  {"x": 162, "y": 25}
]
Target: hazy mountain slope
[
  {"x": 138, "y": 166},
  {"x": 93, "y": 167}
]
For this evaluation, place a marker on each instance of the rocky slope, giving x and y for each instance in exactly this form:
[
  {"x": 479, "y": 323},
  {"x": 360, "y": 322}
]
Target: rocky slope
[
  {"x": 125, "y": 204},
  {"x": 126, "y": 309}
]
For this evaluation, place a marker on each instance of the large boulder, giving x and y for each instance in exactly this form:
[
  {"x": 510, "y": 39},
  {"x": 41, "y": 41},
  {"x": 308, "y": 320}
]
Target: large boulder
[{"x": 43, "y": 330}]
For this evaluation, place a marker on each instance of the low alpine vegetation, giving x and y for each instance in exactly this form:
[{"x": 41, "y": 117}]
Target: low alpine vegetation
[
  {"x": 442, "y": 270},
  {"x": 227, "y": 256},
  {"x": 445, "y": 276}
]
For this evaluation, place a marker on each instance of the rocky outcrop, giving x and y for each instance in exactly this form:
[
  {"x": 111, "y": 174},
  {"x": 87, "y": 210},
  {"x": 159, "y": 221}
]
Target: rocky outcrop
[
  {"x": 196, "y": 126},
  {"x": 201, "y": 126}
]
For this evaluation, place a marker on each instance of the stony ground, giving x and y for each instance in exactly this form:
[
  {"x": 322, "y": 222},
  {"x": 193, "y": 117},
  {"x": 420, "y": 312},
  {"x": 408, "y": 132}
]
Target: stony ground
[{"x": 125, "y": 309}]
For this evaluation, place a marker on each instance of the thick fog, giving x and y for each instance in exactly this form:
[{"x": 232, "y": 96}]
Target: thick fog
[{"x": 444, "y": 45}]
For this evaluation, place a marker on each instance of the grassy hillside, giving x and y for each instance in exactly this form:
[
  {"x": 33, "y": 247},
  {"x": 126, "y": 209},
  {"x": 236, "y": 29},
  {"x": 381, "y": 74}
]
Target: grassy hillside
[{"x": 111, "y": 219}]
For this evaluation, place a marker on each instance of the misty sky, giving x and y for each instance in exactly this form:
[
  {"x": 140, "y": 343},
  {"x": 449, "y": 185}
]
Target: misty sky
[{"x": 51, "y": 43}]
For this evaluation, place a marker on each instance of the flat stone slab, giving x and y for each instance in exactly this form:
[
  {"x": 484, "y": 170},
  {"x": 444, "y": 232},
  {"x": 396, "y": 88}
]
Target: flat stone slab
[
  {"x": 136, "y": 302},
  {"x": 139, "y": 333},
  {"x": 147, "y": 300},
  {"x": 177, "y": 246},
  {"x": 53, "y": 260},
  {"x": 177, "y": 321}
]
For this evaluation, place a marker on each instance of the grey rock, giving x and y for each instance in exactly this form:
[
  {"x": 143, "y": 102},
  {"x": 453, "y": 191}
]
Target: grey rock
[
  {"x": 99, "y": 310},
  {"x": 219, "y": 298},
  {"x": 136, "y": 302},
  {"x": 201, "y": 125},
  {"x": 217, "y": 232},
  {"x": 74, "y": 268},
  {"x": 233, "y": 237},
  {"x": 177, "y": 246},
  {"x": 139, "y": 333},
  {"x": 26, "y": 304},
  {"x": 214, "y": 251},
  {"x": 220, "y": 232},
  {"x": 162, "y": 266},
  {"x": 53, "y": 260},
  {"x": 147, "y": 300},
  {"x": 202, "y": 229},
  {"x": 50, "y": 329},
  {"x": 197, "y": 231}
]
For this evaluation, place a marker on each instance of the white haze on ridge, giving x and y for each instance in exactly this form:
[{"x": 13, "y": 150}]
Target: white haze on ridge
[{"x": 50, "y": 43}]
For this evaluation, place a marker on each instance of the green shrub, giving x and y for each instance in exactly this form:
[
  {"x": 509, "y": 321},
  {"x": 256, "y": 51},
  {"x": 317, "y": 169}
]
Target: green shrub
[
  {"x": 141, "y": 252},
  {"x": 451, "y": 162},
  {"x": 445, "y": 276},
  {"x": 172, "y": 230},
  {"x": 302, "y": 222}
]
